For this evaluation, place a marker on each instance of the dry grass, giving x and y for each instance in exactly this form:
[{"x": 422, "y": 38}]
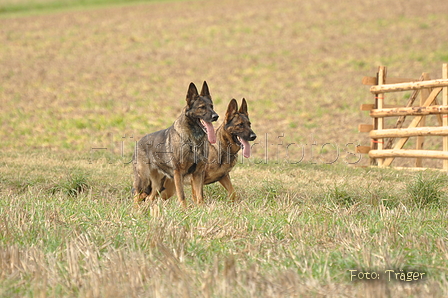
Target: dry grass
[
  {"x": 76, "y": 80},
  {"x": 296, "y": 231}
]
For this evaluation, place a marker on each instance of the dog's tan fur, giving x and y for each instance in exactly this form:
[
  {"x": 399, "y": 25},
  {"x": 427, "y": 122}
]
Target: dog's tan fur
[{"x": 223, "y": 154}]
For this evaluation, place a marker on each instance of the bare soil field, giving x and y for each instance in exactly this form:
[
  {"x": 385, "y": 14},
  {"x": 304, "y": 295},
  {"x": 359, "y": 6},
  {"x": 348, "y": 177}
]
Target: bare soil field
[{"x": 94, "y": 78}]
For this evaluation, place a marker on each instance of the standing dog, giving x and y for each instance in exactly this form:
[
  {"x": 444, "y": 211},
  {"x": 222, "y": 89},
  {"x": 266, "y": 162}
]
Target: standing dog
[
  {"x": 235, "y": 132},
  {"x": 164, "y": 158}
]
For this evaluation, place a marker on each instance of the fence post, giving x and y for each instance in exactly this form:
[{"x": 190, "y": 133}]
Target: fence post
[
  {"x": 380, "y": 105},
  {"x": 445, "y": 119}
]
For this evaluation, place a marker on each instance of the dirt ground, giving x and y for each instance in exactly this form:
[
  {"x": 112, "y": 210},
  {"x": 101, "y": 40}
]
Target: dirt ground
[{"x": 74, "y": 80}]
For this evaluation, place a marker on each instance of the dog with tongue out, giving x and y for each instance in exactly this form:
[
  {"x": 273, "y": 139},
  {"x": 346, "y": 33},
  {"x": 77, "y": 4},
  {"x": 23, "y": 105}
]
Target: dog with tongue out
[
  {"x": 165, "y": 158},
  {"x": 232, "y": 135}
]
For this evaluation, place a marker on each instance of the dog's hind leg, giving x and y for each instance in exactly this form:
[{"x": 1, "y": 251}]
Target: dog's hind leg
[
  {"x": 142, "y": 184},
  {"x": 169, "y": 188},
  {"x": 157, "y": 180},
  {"x": 225, "y": 181},
  {"x": 140, "y": 196}
]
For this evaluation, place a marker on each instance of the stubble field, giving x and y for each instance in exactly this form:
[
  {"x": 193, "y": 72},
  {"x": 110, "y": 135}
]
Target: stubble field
[{"x": 80, "y": 78}]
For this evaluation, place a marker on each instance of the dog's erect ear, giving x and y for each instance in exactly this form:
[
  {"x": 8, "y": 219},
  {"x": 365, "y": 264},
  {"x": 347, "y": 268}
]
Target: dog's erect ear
[
  {"x": 205, "y": 91},
  {"x": 192, "y": 93},
  {"x": 243, "y": 108},
  {"x": 232, "y": 109}
]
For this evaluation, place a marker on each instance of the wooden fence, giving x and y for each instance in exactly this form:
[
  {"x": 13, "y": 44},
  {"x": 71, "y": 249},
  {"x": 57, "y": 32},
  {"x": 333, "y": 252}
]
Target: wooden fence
[{"x": 387, "y": 142}]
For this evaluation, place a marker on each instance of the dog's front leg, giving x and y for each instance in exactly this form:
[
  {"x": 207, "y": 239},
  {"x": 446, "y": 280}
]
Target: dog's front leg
[
  {"x": 225, "y": 181},
  {"x": 179, "y": 183},
  {"x": 193, "y": 191},
  {"x": 170, "y": 189},
  {"x": 197, "y": 185},
  {"x": 139, "y": 197}
]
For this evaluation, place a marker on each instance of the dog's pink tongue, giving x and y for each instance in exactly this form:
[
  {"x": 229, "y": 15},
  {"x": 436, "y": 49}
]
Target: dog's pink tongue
[
  {"x": 246, "y": 148},
  {"x": 210, "y": 131}
]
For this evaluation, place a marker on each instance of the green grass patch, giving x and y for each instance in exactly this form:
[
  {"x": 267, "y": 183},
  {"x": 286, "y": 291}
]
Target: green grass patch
[
  {"x": 73, "y": 185},
  {"x": 10, "y": 7},
  {"x": 427, "y": 191}
]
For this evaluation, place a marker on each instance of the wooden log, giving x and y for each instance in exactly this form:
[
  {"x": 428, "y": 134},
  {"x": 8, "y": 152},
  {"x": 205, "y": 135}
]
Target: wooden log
[
  {"x": 365, "y": 127},
  {"x": 386, "y": 106},
  {"x": 374, "y": 81},
  {"x": 371, "y": 106},
  {"x": 367, "y": 107},
  {"x": 408, "y": 86},
  {"x": 409, "y": 132},
  {"x": 362, "y": 149},
  {"x": 412, "y": 111},
  {"x": 445, "y": 119},
  {"x": 369, "y": 81},
  {"x": 380, "y": 105},
  {"x": 433, "y": 154},
  {"x": 417, "y": 169}
]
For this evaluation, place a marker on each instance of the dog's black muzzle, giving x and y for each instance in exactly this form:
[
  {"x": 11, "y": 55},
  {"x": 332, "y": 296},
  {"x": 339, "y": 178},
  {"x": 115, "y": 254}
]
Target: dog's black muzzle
[{"x": 215, "y": 117}]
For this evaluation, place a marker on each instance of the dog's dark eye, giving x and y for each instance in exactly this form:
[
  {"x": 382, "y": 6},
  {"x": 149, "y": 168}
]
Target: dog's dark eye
[{"x": 202, "y": 107}]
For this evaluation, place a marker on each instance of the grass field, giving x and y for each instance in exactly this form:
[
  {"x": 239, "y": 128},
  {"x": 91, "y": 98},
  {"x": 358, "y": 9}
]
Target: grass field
[{"x": 79, "y": 75}]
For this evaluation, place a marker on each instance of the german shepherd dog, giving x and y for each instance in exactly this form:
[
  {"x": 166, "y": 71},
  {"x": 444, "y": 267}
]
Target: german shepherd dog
[
  {"x": 164, "y": 158},
  {"x": 232, "y": 135}
]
